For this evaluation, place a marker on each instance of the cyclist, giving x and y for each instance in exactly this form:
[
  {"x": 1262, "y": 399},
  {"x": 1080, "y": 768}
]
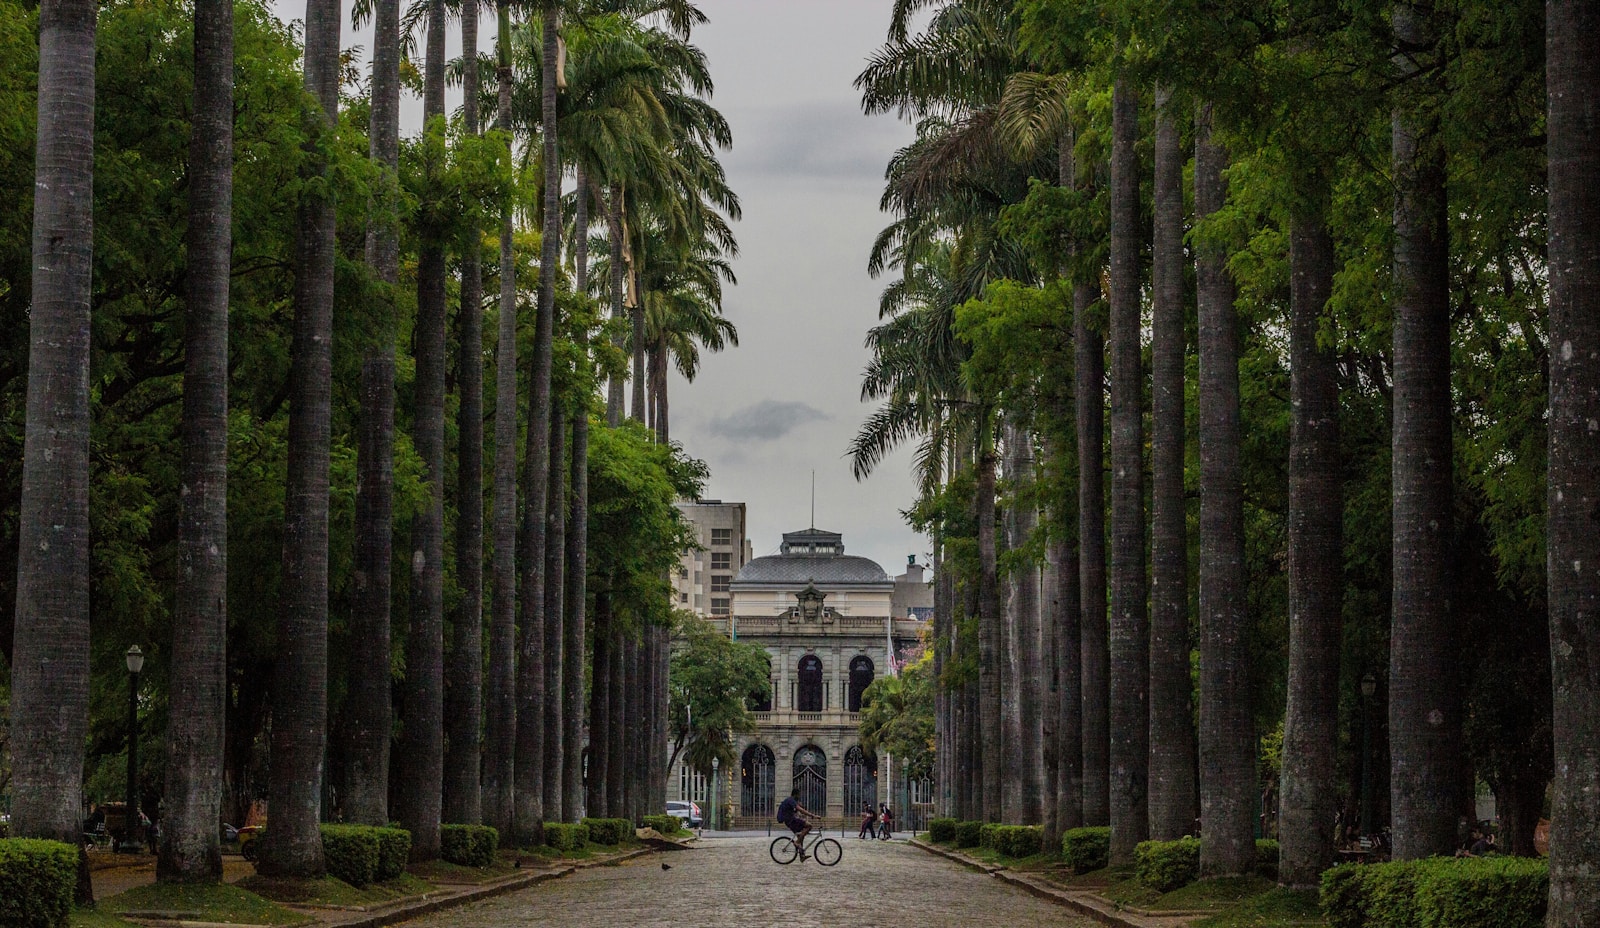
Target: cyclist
[{"x": 793, "y": 814}]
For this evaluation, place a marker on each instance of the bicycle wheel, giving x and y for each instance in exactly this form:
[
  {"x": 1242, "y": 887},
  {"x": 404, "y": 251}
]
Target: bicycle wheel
[
  {"x": 827, "y": 852},
  {"x": 783, "y": 850}
]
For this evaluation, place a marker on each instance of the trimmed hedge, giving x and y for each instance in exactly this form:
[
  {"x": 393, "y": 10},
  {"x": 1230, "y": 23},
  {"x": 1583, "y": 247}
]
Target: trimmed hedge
[
  {"x": 1167, "y": 865},
  {"x": 468, "y": 845},
  {"x": 1017, "y": 841},
  {"x": 665, "y": 824},
  {"x": 351, "y": 853},
  {"x": 942, "y": 830},
  {"x": 394, "y": 852},
  {"x": 37, "y": 882},
  {"x": 1442, "y": 892},
  {"x": 565, "y": 837},
  {"x": 609, "y": 831},
  {"x": 986, "y": 834},
  {"x": 1086, "y": 849},
  {"x": 1267, "y": 858},
  {"x": 969, "y": 834}
]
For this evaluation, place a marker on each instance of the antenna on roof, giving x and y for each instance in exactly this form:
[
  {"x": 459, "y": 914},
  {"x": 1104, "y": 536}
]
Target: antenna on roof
[{"x": 813, "y": 498}]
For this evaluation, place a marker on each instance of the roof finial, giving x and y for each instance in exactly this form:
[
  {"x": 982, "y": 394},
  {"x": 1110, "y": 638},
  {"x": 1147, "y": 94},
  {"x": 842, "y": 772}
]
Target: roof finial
[{"x": 813, "y": 499}]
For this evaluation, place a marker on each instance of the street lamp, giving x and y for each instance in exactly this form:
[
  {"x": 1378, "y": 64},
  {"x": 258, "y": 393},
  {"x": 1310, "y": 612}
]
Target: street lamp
[
  {"x": 135, "y": 661},
  {"x": 1369, "y": 688},
  {"x": 716, "y": 784}
]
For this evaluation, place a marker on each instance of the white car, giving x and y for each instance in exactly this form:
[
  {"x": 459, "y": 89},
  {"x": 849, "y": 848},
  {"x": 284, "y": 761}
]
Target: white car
[{"x": 686, "y": 812}]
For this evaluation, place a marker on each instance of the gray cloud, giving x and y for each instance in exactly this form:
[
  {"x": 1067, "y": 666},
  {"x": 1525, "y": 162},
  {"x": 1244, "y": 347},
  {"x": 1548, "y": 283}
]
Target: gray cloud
[{"x": 768, "y": 420}]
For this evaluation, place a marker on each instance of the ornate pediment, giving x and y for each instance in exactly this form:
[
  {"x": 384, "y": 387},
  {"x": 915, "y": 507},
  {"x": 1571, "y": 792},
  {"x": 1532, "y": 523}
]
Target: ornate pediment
[{"x": 810, "y": 607}]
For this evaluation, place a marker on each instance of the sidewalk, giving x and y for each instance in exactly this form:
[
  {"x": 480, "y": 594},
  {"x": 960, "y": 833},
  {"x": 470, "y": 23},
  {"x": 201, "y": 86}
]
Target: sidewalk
[{"x": 1087, "y": 904}]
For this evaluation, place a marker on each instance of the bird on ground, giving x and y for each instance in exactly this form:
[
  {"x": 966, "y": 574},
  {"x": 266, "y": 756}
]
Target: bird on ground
[{"x": 666, "y": 866}]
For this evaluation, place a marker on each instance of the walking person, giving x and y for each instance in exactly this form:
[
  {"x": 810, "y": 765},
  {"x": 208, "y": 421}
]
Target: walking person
[
  {"x": 869, "y": 819},
  {"x": 885, "y": 821}
]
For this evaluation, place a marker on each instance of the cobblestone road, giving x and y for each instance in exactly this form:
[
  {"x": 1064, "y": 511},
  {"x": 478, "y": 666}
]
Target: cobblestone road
[{"x": 732, "y": 882}]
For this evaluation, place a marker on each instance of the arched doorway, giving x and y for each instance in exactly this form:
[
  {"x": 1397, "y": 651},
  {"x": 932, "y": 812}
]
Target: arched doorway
[
  {"x": 761, "y": 700},
  {"x": 860, "y": 780},
  {"x": 756, "y": 771},
  {"x": 860, "y": 678},
  {"x": 811, "y": 778},
  {"x": 810, "y": 696}
]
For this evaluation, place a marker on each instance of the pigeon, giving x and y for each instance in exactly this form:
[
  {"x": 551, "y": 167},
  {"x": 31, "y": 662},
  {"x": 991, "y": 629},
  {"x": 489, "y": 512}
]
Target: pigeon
[{"x": 666, "y": 866}]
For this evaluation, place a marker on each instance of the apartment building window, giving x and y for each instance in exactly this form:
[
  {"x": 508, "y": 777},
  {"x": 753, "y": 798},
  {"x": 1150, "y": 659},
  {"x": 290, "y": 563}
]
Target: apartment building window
[
  {"x": 722, "y": 536},
  {"x": 719, "y": 605},
  {"x": 719, "y": 583},
  {"x": 683, "y": 573},
  {"x": 683, "y": 597},
  {"x": 721, "y": 560}
]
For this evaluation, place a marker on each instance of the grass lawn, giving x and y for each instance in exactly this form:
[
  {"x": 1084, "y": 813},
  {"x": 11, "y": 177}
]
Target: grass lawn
[
  {"x": 1094, "y": 879},
  {"x": 1040, "y": 861},
  {"x": 330, "y": 891},
  {"x": 97, "y": 917},
  {"x": 587, "y": 852},
  {"x": 439, "y": 871},
  {"x": 219, "y": 903},
  {"x": 1276, "y": 908}
]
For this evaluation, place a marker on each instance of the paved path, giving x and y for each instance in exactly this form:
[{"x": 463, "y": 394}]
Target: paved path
[{"x": 732, "y": 882}]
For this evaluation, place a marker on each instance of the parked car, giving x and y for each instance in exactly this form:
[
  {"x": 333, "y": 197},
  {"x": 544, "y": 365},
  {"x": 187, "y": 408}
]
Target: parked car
[{"x": 686, "y": 812}]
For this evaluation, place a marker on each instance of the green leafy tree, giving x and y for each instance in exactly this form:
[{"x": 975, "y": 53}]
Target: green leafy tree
[{"x": 712, "y": 681}]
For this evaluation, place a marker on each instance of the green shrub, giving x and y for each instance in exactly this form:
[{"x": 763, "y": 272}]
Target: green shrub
[
  {"x": 942, "y": 830},
  {"x": 1372, "y": 895},
  {"x": 1086, "y": 849},
  {"x": 969, "y": 834},
  {"x": 610, "y": 831},
  {"x": 468, "y": 845},
  {"x": 37, "y": 882},
  {"x": 394, "y": 852},
  {"x": 565, "y": 837},
  {"x": 1343, "y": 895},
  {"x": 666, "y": 824},
  {"x": 1019, "y": 840},
  {"x": 1491, "y": 892},
  {"x": 1167, "y": 865},
  {"x": 1267, "y": 858},
  {"x": 351, "y": 852}
]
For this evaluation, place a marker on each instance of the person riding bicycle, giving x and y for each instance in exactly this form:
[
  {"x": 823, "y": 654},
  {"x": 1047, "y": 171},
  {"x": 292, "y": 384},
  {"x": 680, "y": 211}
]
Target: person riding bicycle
[{"x": 793, "y": 814}]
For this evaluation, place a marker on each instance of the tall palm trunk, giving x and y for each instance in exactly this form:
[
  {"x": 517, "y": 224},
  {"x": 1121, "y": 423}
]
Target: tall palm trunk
[
  {"x": 1424, "y": 688},
  {"x": 1129, "y": 630},
  {"x": 422, "y": 727},
  {"x": 555, "y": 590},
  {"x": 572, "y": 789},
  {"x": 615, "y": 234},
  {"x": 368, "y": 715},
  {"x": 500, "y": 730},
  {"x": 598, "y": 792},
  {"x": 1227, "y": 733},
  {"x": 1063, "y": 630},
  {"x": 1573, "y": 81},
  {"x": 531, "y": 693},
  {"x": 293, "y": 848},
  {"x": 1027, "y": 646},
  {"x": 192, "y": 798},
  {"x": 1172, "y": 747},
  {"x": 944, "y": 775},
  {"x": 1308, "y": 800},
  {"x": 989, "y": 621},
  {"x": 463, "y": 799},
  {"x": 636, "y": 408}
]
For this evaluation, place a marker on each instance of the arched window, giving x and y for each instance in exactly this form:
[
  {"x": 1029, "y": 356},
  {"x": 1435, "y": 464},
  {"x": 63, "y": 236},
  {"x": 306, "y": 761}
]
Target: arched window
[
  {"x": 860, "y": 679},
  {"x": 811, "y": 778},
  {"x": 810, "y": 684},
  {"x": 756, "y": 781},
  {"x": 860, "y": 780},
  {"x": 761, "y": 700}
]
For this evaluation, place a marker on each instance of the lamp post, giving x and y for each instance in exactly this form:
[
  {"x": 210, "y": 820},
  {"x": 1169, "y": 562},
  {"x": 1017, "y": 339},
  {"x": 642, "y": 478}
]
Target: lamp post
[
  {"x": 1369, "y": 687},
  {"x": 135, "y": 661},
  {"x": 716, "y": 786}
]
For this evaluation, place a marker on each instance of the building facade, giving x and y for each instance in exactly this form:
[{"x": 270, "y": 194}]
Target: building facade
[
  {"x": 701, "y": 584},
  {"x": 831, "y": 623}
]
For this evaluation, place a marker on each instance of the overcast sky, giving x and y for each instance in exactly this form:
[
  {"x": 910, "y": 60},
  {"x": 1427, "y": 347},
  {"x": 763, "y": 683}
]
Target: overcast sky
[{"x": 809, "y": 169}]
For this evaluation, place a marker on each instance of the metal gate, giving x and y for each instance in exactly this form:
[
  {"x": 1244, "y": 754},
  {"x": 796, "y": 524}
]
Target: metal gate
[
  {"x": 756, "y": 782},
  {"x": 860, "y": 781},
  {"x": 811, "y": 778}
]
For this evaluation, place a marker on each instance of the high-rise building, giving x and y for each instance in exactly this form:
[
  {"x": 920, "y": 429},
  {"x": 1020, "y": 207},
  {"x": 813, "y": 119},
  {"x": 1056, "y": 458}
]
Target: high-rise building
[{"x": 701, "y": 584}]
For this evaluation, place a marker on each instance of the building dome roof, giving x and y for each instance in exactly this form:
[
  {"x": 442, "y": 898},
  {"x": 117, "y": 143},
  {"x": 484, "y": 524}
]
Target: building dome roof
[{"x": 811, "y": 568}]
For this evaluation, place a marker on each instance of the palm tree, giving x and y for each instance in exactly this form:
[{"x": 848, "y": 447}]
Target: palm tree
[
  {"x": 1424, "y": 689},
  {"x": 50, "y": 660},
  {"x": 464, "y": 690},
  {"x": 293, "y": 848},
  {"x": 1025, "y": 657},
  {"x": 1227, "y": 733},
  {"x": 555, "y": 558},
  {"x": 190, "y": 848},
  {"x": 1129, "y": 645},
  {"x": 572, "y": 787},
  {"x": 1572, "y": 46},
  {"x": 1172, "y": 748},
  {"x": 420, "y": 796},
  {"x": 989, "y": 622},
  {"x": 369, "y": 714}
]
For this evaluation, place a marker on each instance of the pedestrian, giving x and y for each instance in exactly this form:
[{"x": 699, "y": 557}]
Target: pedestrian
[
  {"x": 885, "y": 821},
  {"x": 869, "y": 818}
]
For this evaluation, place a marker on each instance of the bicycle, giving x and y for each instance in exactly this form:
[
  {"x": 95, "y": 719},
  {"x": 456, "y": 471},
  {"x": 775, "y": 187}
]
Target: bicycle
[{"x": 826, "y": 851}]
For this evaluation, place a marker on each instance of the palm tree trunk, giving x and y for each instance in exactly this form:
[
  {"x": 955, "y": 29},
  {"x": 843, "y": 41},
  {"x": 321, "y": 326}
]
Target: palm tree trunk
[
  {"x": 192, "y": 799},
  {"x": 1572, "y": 43},
  {"x": 618, "y": 680},
  {"x": 422, "y": 697},
  {"x": 1227, "y": 732},
  {"x": 1028, "y": 645},
  {"x": 555, "y": 589},
  {"x": 580, "y": 232},
  {"x": 597, "y": 792},
  {"x": 1308, "y": 798},
  {"x": 531, "y": 682},
  {"x": 1424, "y": 688},
  {"x": 1129, "y": 628},
  {"x": 500, "y": 730},
  {"x": 368, "y": 715},
  {"x": 293, "y": 848},
  {"x": 614, "y": 234},
  {"x": 944, "y": 775},
  {"x": 463, "y": 799},
  {"x": 636, "y": 409},
  {"x": 989, "y": 631},
  {"x": 572, "y": 788},
  {"x": 1172, "y": 748}
]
